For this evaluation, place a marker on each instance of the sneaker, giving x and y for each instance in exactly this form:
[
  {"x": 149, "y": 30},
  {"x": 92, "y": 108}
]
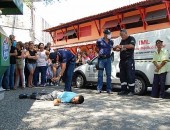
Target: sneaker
[
  {"x": 42, "y": 85},
  {"x": 1, "y": 89},
  {"x": 23, "y": 96},
  {"x": 98, "y": 92},
  {"x": 122, "y": 93},
  {"x": 33, "y": 96},
  {"x": 130, "y": 94}
]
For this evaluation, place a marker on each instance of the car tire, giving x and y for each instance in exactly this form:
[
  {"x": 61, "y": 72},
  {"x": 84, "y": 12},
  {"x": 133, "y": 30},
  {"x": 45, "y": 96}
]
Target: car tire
[
  {"x": 140, "y": 86},
  {"x": 79, "y": 81}
]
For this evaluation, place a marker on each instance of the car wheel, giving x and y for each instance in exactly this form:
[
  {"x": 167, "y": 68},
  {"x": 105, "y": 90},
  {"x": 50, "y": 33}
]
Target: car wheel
[
  {"x": 79, "y": 81},
  {"x": 140, "y": 86}
]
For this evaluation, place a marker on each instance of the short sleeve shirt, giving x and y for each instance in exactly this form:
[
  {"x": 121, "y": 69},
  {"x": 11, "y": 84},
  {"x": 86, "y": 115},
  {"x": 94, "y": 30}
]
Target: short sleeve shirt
[
  {"x": 13, "y": 58},
  {"x": 159, "y": 57},
  {"x": 127, "y": 53},
  {"x": 66, "y": 97},
  {"x": 104, "y": 48}
]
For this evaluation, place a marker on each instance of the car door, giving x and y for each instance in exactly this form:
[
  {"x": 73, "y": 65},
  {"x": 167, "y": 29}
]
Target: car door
[{"x": 92, "y": 71}]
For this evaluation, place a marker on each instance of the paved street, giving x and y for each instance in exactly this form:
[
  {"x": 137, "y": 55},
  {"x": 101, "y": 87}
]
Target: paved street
[{"x": 98, "y": 112}]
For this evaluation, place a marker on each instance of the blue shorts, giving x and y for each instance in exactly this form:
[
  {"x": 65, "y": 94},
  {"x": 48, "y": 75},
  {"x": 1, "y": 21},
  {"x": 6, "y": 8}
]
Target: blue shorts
[{"x": 31, "y": 66}]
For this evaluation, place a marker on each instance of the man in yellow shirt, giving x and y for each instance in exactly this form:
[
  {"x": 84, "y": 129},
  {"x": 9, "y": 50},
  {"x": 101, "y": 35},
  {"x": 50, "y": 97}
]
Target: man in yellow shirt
[{"x": 160, "y": 59}]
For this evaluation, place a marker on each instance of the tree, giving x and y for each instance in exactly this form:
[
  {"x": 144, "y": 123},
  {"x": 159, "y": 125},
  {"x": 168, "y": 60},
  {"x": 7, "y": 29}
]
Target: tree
[{"x": 29, "y": 3}]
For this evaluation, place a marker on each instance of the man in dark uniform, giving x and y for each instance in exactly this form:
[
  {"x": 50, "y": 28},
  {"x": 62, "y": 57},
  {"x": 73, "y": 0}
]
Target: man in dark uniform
[
  {"x": 103, "y": 47},
  {"x": 67, "y": 61},
  {"x": 127, "y": 65}
]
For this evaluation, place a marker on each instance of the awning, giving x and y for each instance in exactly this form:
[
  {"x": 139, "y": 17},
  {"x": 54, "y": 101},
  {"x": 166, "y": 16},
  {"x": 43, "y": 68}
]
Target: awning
[
  {"x": 69, "y": 33},
  {"x": 159, "y": 14},
  {"x": 60, "y": 36},
  {"x": 76, "y": 44},
  {"x": 131, "y": 19},
  {"x": 11, "y": 7},
  {"x": 110, "y": 24}
]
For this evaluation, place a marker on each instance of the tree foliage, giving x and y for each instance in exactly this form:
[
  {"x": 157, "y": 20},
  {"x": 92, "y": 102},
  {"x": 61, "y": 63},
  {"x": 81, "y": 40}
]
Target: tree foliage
[{"x": 29, "y": 3}]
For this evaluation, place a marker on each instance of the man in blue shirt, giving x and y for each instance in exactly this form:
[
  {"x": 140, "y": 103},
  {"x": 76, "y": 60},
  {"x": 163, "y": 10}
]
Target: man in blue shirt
[
  {"x": 103, "y": 47},
  {"x": 56, "y": 96},
  {"x": 67, "y": 62}
]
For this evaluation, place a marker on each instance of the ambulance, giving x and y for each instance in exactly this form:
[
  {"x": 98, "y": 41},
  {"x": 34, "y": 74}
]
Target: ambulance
[{"x": 144, "y": 69}]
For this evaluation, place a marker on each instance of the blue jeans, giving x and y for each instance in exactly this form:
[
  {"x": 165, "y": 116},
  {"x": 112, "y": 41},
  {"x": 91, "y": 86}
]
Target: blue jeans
[
  {"x": 42, "y": 70},
  {"x": 127, "y": 74},
  {"x": 158, "y": 88},
  {"x": 11, "y": 76},
  {"x": 68, "y": 74},
  {"x": 5, "y": 80},
  {"x": 1, "y": 77},
  {"x": 104, "y": 64}
]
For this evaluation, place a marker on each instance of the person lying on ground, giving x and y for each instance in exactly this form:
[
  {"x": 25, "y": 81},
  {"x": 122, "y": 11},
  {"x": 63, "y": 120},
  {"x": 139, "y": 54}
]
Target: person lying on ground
[{"x": 57, "y": 97}]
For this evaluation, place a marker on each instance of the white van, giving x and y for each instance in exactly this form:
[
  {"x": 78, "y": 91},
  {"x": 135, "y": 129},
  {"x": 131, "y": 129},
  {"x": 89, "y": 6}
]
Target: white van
[{"x": 144, "y": 49}]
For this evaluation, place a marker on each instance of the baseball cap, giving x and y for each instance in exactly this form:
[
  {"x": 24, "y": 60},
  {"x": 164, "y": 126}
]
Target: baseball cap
[
  {"x": 53, "y": 55},
  {"x": 158, "y": 41},
  {"x": 106, "y": 31}
]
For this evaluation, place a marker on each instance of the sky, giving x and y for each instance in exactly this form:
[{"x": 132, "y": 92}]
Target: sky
[{"x": 69, "y": 10}]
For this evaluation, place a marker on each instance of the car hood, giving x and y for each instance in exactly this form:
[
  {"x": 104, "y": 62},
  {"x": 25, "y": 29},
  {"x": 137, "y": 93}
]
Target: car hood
[{"x": 82, "y": 67}]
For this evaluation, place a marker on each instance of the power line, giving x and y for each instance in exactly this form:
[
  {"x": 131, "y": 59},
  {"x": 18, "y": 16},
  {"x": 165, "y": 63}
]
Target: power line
[{"x": 14, "y": 27}]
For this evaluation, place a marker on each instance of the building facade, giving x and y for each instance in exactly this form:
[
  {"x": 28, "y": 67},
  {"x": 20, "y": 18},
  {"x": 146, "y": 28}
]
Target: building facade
[
  {"x": 139, "y": 17},
  {"x": 26, "y": 27}
]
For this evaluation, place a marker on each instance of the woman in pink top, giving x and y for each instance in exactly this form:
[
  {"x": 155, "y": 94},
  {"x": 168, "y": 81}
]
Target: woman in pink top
[
  {"x": 85, "y": 58},
  {"x": 91, "y": 54}
]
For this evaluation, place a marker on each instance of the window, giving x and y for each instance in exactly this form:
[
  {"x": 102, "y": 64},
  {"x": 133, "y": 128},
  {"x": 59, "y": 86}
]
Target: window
[
  {"x": 53, "y": 34},
  {"x": 71, "y": 34},
  {"x": 156, "y": 17},
  {"x": 112, "y": 25},
  {"x": 60, "y": 36},
  {"x": 132, "y": 22},
  {"x": 85, "y": 31}
]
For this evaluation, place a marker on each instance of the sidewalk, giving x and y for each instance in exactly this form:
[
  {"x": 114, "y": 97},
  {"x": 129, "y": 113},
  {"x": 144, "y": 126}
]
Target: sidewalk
[{"x": 98, "y": 112}]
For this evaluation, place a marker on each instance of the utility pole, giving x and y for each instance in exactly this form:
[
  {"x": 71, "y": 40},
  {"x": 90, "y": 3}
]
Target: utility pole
[
  {"x": 32, "y": 22},
  {"x": 13, "y": 24}
]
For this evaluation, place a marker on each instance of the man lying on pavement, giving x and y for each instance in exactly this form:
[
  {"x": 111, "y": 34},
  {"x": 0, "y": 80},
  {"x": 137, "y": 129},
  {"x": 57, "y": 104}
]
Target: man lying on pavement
[{"x": 56, "y": 96}]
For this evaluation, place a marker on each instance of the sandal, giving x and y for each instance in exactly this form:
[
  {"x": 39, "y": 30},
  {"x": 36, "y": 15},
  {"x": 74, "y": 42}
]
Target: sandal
[{"x": 32, "y": 85}]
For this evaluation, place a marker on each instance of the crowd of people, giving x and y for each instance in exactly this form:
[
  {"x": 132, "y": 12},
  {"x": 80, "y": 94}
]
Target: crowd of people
[
  {"x": 31, "y": 66},
  {"x": 29, "y": 62},
  {"x": 84, "y": 56}
]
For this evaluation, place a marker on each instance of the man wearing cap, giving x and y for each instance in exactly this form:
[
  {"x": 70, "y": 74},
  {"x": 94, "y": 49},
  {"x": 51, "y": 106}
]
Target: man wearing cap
[
  {"x": 160, "y": 59},
  {"x": 67, "y": 61},
  {"x": 103, "y": 47},
  {"x": 127, "y": 64}
]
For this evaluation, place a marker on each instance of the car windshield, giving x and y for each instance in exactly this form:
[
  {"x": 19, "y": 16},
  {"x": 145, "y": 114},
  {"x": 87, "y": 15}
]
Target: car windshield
[{"x": 94, "y": 60}]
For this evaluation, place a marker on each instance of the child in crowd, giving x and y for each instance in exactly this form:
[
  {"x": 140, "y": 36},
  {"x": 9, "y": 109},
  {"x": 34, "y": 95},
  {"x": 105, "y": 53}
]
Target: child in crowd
[{"x": 49, "y": 73}]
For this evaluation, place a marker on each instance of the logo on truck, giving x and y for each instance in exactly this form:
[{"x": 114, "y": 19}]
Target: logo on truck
[{"x": 5, "y": 49}]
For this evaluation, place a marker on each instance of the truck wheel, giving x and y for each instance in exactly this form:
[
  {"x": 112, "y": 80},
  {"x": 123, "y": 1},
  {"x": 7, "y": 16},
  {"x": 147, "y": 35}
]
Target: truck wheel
[
  {"x": 79, "y": 81},
  {"x": 140, "y": 86}
]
